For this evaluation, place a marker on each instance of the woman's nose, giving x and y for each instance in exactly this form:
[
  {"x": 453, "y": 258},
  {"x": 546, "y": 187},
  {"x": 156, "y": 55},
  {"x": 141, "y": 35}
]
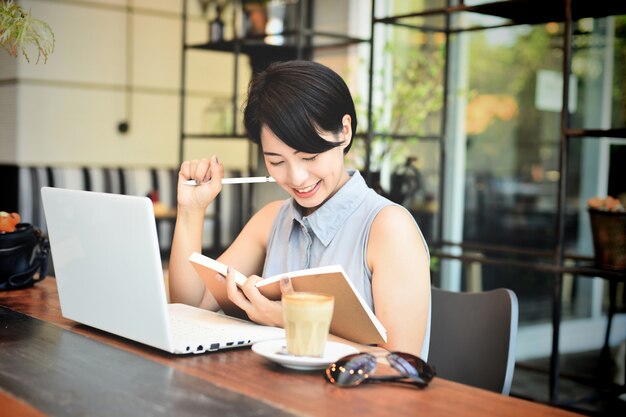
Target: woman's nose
[{"x": 298, "y": 175}]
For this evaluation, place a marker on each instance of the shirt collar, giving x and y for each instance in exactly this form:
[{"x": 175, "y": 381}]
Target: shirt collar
[{"x": 326, "y": 221}]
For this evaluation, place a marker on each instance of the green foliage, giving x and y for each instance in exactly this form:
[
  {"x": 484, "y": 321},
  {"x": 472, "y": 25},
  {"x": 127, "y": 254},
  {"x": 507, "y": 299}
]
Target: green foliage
[
  {"x": 619, "y": 85},
  {"x": 19, "y": 31},
  {"x": 417, "y": 93},
  {"x": 434, "y": 264},
  {"x": 411, "y": 96}
]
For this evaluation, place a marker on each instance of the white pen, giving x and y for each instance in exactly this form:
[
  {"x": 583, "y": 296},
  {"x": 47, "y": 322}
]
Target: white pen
[{"x": 245, "y": 180}]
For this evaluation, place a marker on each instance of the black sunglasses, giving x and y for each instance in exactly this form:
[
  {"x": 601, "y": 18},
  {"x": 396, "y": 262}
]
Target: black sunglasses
[{"x": 355, "y": 369}]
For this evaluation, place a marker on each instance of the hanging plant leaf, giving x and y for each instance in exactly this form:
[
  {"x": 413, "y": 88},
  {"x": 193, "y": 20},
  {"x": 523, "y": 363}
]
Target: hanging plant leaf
[{"x": 19, "y": 32}]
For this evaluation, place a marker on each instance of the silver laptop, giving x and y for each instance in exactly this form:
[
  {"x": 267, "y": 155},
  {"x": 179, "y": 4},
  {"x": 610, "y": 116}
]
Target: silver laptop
[{"x": 109, "y": 276}]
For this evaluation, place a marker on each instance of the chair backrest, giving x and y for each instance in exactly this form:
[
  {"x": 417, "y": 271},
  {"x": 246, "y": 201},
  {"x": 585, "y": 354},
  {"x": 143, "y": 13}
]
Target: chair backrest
[{"x": 473, "y": 337}]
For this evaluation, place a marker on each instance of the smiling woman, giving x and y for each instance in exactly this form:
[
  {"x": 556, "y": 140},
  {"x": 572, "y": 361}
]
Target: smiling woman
[{"x": 302, "y": 115}]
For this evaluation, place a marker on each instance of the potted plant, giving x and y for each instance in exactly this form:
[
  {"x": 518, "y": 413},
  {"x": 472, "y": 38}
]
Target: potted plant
[
  {"x": 256, "y": 14},
  {"x": 19, "y": 32},
  {"x": 608, "y": 227}
]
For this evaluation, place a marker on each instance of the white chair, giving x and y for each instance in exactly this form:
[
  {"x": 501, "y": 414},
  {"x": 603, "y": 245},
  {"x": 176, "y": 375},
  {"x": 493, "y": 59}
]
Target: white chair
[{"x": 473, "y": 337}]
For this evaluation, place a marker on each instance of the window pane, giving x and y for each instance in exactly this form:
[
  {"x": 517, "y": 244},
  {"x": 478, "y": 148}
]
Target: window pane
[{"x": 599, "y": 72}]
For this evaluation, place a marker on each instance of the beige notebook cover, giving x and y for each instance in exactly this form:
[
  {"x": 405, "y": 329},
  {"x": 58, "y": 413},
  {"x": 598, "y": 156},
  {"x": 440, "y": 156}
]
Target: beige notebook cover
[{"x": 352, "y": 318}]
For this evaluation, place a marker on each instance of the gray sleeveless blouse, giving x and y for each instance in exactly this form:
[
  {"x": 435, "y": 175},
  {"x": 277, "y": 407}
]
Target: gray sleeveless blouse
[{"x": 335, "y": 233}]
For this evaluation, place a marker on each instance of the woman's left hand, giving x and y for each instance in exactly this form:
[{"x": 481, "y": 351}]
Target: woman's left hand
[{"x": 259, "y": 308}]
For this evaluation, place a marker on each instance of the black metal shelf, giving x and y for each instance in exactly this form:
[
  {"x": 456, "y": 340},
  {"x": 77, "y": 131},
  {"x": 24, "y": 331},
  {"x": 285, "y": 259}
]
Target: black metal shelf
[
  {"x": 588, "y": 269},
  {"x": 245, "y": 46},
  {"x": 520, "y": 12},
  {"x": 596, "y": 133},
  {"x": 542, "y": 11},
  {"x": 257, "y": 44},
  {"x": 586, "y": 265},
  {"x": 224, "y": 136},
  {"x": 297, "y": 43}
]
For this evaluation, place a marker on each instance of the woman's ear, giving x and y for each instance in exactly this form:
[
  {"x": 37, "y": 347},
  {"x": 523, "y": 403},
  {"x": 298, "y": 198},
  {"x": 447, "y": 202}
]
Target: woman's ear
[{"x": 346, "y": 128}]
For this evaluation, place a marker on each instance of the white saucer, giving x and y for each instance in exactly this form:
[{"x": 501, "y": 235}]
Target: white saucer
[{"x": 275, "y": 350}]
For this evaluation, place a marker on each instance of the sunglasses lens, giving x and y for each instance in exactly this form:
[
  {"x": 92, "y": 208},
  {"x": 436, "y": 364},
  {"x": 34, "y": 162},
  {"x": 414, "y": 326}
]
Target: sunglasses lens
[
  {"x": 411, "y": 366},
  {"x": 351, "y": 370}
]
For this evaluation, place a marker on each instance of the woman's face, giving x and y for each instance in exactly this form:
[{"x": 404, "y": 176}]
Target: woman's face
[{"x": 310, "y": 179}]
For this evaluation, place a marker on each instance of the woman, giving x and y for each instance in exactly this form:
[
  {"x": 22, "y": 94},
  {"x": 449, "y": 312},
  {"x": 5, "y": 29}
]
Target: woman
[{"x": 302, "y": 115}]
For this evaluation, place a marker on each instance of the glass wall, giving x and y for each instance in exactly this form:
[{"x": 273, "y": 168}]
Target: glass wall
[
  {"x": 499, "y": 137},
  {"x": 513, "y": 97}
]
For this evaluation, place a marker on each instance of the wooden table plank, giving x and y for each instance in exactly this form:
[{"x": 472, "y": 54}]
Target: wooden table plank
[
  {"x": 12, "y": 406},
  {"x": 65, "y": 374},
  {"x": 304, "y": 393}
]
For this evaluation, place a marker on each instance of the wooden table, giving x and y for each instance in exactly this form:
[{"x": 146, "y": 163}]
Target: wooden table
[{"x": 53, "y": 366}]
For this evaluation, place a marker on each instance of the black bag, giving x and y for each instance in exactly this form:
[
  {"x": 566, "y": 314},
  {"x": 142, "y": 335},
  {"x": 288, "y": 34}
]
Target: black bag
[{"x": 23, "y": 257}]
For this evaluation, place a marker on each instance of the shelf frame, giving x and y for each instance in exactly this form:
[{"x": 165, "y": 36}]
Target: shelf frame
[{"x": 526, "y": 12}]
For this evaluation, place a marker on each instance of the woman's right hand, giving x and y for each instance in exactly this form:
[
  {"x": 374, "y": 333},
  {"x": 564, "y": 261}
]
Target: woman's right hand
[{"x": 208, "y": 174}]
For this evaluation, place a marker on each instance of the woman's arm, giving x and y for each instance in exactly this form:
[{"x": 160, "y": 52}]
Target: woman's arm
[
  {"x": 252, "y": 243},
  {"x": 246, "y": 254},
  {"x": 184, "y": 284},
  {"x": 400, "y": 279}
]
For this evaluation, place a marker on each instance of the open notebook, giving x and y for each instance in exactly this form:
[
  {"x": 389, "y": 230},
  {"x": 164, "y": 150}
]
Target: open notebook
[{"x": 109, "y": 276}]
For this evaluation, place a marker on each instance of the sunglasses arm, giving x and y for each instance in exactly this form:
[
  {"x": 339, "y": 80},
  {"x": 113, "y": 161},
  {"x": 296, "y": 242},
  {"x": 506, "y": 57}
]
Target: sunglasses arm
[{"x": 397, "y": 378}]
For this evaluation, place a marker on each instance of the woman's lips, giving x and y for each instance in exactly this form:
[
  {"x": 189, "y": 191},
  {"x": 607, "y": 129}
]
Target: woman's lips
[{"x": 307, "y": 191}]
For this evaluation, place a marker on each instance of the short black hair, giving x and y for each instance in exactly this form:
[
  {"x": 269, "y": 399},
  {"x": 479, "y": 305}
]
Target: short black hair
[{"x": 296, "y": 100}]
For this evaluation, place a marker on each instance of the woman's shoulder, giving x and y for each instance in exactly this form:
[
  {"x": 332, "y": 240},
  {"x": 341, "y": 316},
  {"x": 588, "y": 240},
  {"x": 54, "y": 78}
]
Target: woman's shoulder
[
  {"x": 394, "y": 232},
  {"x": 393, "y": 218},
  {"x": 394, "y": 223},
  {"x": 385, "y": 215}
]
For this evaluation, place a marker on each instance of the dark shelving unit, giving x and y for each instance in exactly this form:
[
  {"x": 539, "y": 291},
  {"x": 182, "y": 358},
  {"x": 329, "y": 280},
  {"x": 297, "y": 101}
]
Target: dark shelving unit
[
  {"x": 299, "y": 43},
  {"x": 541, "y": 11},
  {"x": 522, "y": 12},
  {"x": 517, "y": 12}
]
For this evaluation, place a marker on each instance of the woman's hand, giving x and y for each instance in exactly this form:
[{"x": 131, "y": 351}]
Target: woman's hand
[
  {"x": 208, "y": 174},
  {"x": 258, "y": 308}
]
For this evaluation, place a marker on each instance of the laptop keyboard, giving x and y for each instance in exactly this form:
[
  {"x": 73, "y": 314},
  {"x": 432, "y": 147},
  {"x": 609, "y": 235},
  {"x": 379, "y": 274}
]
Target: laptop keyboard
[{"x": 199, "y": 338}]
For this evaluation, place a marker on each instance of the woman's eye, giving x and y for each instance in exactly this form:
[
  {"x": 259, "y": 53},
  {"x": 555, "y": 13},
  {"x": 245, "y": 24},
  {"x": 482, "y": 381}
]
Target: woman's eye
[
  {"x": 311, "y": 158},
  {"x": 275, "y": 164}
]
